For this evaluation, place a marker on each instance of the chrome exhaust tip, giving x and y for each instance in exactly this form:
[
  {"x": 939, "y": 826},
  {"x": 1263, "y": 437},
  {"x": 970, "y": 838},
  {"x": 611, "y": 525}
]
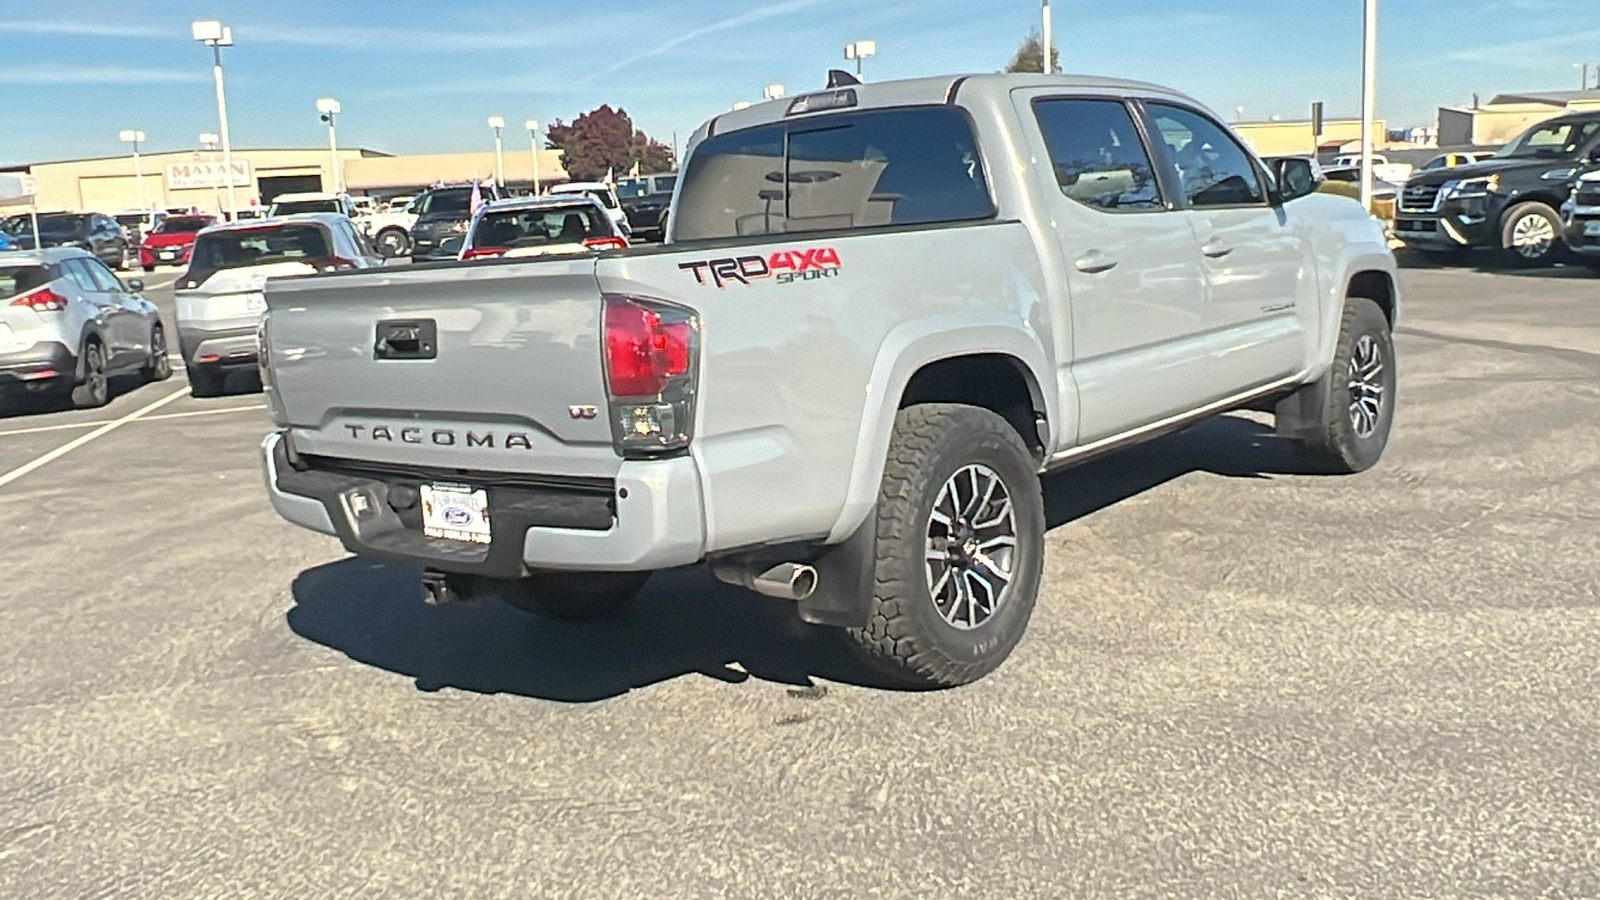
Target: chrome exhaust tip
[{"x": 787, "y": 581}]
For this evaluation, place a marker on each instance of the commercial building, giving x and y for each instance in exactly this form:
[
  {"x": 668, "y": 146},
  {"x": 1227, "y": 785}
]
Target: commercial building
[
  {"x": 1297, "y": 138},
  {"x": 1508, "y": 115},
  {"x": 198, "y": 178}
]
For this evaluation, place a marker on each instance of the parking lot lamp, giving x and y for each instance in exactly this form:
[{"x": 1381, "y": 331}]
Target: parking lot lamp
[
  {"x": 216, "y": 35},
  {"x": 533, "y": 139},
  {"x": 859, "y": 51},
  {"x": 772, "y": 91},
  {"x": 208, "y": 143},
  {"x": 129, "y": 136},
  {"x": 1047, "y": 65},
  {"x": 497, "y": 123},
  {"x": 329, "y": 110},
  {"x": 1369, "y": 98}
]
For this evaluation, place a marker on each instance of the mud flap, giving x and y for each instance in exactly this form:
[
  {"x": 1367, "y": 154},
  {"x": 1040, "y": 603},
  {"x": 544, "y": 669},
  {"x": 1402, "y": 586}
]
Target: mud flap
[
  {"x": 845, "y": 572},
  {"x": 1302, "y": 414}
]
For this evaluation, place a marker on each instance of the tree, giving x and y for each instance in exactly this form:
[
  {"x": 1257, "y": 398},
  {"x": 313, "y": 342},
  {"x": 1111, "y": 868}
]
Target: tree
[
  {"x": 604, "y": 140},
  {"x": 1030, "y": 56}
]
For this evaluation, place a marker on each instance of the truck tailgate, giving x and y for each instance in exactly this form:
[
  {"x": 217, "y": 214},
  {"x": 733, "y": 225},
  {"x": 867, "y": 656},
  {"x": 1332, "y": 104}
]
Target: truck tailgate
[{"x": 493, "y": 367}]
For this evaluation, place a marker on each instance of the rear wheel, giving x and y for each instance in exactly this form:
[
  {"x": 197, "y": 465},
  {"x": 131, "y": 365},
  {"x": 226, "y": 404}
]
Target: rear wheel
[
  {"x": 1531, "y": 235},
  {"x": 95, "y": 388},
  {"x": 574, "y": 596},
  {"x": 960, "y": 535},
  {"x": 392, "y": 242},
  {"x": 159, "y": 368},
  {"x": 205, "y": 381}
]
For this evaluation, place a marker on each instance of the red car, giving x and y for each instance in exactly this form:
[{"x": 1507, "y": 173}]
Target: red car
[{"x": 172, "y": 241}]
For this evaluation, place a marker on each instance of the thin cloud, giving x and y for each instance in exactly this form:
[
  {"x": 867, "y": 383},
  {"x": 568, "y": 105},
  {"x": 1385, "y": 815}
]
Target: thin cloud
[
  {"x": 85, "y": 29},
  {"x": 45, "y": 73},
  {"x": 738, "y": 21}
]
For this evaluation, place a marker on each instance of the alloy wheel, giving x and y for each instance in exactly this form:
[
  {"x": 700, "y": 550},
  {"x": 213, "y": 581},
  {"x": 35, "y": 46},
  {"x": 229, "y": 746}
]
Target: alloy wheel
[
  {"x": 1366, "y": 387},
  {"x": 1532, "y": 236},
  {"x": 971, "y": 547}
]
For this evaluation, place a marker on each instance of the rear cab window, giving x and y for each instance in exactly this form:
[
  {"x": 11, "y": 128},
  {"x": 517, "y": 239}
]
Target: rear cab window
[
  {"x": 520, "y": 228},
  {"x": 868, "y": 169},
  {"x": 237, "y": 248}
]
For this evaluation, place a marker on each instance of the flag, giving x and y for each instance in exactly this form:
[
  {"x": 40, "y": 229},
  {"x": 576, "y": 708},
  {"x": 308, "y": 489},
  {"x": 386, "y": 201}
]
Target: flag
[
  {"x": 611, "y": 175},
  {"x": 634, "y": 172},
  {"x": 477, "y": 198}
]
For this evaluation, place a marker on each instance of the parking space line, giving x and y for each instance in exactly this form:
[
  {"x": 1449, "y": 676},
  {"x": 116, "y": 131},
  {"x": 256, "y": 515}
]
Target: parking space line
[
  {"x": 75, "y": 443},
  {"x": 42, "y": 429}
]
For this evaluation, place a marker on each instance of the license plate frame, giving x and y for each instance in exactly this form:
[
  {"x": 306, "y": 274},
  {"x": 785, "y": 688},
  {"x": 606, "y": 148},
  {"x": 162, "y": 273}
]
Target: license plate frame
[{"x": 456, "y": 512}]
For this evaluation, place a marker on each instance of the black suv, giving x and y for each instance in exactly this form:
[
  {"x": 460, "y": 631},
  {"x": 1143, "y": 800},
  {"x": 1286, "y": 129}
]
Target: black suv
[
  {"x": 93, "y": 232},
  {"x": 1508, "y": 201},
  {"x": 442, "y": 217},
  {"x": 645, "y": 201}
]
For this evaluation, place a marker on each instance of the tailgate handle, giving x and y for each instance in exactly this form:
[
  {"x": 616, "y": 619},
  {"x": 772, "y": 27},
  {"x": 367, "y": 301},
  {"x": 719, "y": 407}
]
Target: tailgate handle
[{"x": 407, "y": 339}]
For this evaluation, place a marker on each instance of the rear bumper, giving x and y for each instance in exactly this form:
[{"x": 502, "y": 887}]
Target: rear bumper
[
  {"x": 46, "y": 362},
  {"x": 648, "y": 518},
  {"x": 234, "y": 346},
  {"x": 176, "y": 255}
]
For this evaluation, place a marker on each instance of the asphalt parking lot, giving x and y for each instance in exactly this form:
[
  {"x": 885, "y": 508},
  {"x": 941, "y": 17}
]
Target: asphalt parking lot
[{"x": 1240, "y": 681}]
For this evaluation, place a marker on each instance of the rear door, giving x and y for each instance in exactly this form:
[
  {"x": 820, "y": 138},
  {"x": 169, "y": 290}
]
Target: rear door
[
  {"x": 1138, "y": 351},
  {"x": 101, "y": 306},
  {"x": 124, "y": 315}
]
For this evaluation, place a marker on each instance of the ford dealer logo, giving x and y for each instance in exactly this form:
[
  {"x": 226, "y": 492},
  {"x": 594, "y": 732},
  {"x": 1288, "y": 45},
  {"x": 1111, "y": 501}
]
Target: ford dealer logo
[{"x": 457, "y": 516}]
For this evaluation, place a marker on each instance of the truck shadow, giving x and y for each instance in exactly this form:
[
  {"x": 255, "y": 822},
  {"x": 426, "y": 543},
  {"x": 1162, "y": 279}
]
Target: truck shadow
[{"x": 685, "y": 622}]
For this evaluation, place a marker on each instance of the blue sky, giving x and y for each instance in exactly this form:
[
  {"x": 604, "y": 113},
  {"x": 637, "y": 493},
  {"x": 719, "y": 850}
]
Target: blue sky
[{"x": 418, "y": 77}]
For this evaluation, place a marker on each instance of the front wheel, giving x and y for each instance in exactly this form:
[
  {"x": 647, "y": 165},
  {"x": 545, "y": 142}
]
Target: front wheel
[
  {"x": 574, "y": 596},
  {"x": 1358, "y": 394},
  {"x": 1531, "y": 235},
  {"x": 960, "y": 537}
]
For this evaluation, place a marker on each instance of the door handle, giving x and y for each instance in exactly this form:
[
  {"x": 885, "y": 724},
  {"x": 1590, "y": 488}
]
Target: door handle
[
  {"x": 1094, "y": 262},
  {"x": 1215, "y": 250}
]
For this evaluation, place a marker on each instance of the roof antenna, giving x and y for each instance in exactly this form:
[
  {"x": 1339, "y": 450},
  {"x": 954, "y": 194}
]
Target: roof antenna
[{"x": 838, "y": 78}]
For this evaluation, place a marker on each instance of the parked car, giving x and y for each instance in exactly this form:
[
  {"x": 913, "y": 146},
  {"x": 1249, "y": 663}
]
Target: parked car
[
  {"x": 1582, "y": 216},
  {"x": 363, "y": 206},
  {"x": 250, "y": 214},
  {"x": 172, "y": 241},
  {"x": 1510, "y": 201},
  {"x": 68, "y": 325},
  {"x": 311, "y": 202},
  {"x": 602, "y": 192},
  {"x": 1453, "y": 160},
  {"x": 840, "y": 378},
  {"x": 1382, "y": 169},
  {"x": 389, "y": 229},
  {"x": 136, "y": 223},
  {"x": 541, "y": 226},
  {"x": 97, "y": 233},
  {"x": 6, "y": 243},
  {"x": 219, "y": 298},
  {"x": 645, "y": 201},
  {"x": 442, "y": 217}
]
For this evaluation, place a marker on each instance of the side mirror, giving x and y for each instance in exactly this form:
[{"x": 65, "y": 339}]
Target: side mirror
[
  {"x": 136, "y": 285},
  {"x": 1296, "y": 177}
]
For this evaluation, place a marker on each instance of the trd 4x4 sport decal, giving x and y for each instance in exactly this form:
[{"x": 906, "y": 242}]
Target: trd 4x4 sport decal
[{"x": 787, "y": 266}]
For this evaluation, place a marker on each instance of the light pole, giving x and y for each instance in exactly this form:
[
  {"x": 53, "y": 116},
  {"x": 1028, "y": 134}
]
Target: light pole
[
  {"x": 130, "y": 136},
  {"x": 1369, "y": 98},
  {"x": 329, "y": 110},
  {"x": 208, "y": 143},
  {"x": 772, "y": 91},
  {"x": 1583, "y": 82},
  {"x": 533, "y": 141},
  {"x": 216, "y": 35},
  {"x": 859, "y": 51},
  {"x": 497, "y": 123},
  {"x": 1047, "y": 65}
]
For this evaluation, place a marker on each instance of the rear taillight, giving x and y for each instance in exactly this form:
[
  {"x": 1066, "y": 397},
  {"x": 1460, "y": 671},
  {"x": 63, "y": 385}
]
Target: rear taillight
[
  {"x": 482, "y": 252},
  {"x": 605, "y": 243},
  {"x": 651, "y": 356},
  {"x": 42, "y": 300}
]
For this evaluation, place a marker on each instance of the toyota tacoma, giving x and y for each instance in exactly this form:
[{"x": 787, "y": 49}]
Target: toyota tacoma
[{"x": 881, "y": 312}]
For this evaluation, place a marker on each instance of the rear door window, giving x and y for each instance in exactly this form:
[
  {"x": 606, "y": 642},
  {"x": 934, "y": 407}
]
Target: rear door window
[
  {"x": 1097, "y": 155},
  {"x": 908, "y": 166}
]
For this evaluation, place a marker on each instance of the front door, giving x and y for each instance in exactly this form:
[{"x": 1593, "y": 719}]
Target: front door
[
  {"x": 1133, "y": 270},
  {"x": 1260, "y": 288}
]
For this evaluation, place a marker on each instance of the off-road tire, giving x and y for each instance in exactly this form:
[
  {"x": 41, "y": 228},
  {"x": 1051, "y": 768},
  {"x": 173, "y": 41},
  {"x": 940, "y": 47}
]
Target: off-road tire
[
  {"x": 1515, "y": 217},
  {"x": 1336, "y": 446},
  {"x": 574, "y": 596},
  {"x": 397, "y": 245},
  {"x": 205, "y": 382},
  {"x": 95, "y": 389},
  {"x": 907, "y": 638}
]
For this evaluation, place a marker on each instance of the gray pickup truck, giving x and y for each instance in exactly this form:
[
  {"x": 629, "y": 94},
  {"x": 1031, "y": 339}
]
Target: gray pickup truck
[{"x": 881, "y": 312}]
